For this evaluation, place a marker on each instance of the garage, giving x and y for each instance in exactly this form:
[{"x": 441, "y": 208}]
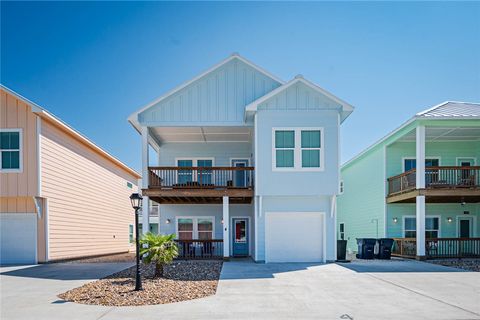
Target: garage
[
  {"x": 294, "y": 237},
  {"x": 18, "y": 238}
]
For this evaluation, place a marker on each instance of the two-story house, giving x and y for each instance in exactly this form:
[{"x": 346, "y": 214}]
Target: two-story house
[
  {"x": 248, "y": 165},
  {"x": 61, "y": 195},
  {"x": 419, "y": 184}
]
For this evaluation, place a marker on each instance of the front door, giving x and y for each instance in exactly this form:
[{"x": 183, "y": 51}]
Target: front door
[
  {"x": 465, "y": 228},
  {"x": 240, "y": 237},
  {"x": 239, "y": 176}
]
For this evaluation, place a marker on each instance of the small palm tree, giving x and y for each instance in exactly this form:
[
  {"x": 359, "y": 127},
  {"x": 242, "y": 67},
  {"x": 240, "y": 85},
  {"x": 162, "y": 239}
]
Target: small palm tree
[{"x": 160, "y": 249}]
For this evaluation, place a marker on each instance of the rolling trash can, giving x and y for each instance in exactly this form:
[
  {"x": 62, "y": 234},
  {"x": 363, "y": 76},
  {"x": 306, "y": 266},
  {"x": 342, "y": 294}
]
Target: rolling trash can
[
  {"x": 384, "y": 248},
  {"x": 365, "y": 248},
  {"x": 341, "y": 250}
]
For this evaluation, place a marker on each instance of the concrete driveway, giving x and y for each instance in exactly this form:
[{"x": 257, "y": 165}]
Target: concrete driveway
[{"x": 359, "y": 290}]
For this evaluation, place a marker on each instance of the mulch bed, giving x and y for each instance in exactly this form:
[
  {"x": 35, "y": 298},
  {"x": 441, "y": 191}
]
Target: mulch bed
[
  {"x": 466, "y": 264},
  {"x": 183, "y": 280}
]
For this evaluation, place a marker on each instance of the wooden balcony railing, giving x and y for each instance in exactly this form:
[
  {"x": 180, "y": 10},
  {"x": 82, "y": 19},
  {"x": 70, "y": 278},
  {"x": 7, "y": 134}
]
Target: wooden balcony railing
[
  {"x": 436, "y": 177},
  {"x": 200, "y": 249},
  {"x": 438, "y": 247},
  {"x": 201, "y": 177}
]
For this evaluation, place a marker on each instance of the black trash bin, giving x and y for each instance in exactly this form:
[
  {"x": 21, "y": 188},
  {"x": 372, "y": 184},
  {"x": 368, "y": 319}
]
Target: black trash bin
[
  {"x": 366, "y": 248},
  {"x": 384, "y": 248},
  {"x": 341, "y": 250}
]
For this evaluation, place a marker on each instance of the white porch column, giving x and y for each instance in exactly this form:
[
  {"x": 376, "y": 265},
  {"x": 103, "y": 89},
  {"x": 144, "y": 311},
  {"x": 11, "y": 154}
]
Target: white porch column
[
  {"x": 420, "y": 226},
  {"x": 420, "y": 183},
  {"x": 145, "y": 162},
  {"x": 226, "y": 228},
  {"x": 420, "y": 157}
]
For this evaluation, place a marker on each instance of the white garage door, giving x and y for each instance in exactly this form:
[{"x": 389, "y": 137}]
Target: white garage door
[
  {"x": 294, "y": 236},
  {"x": 18, "y": 238}
]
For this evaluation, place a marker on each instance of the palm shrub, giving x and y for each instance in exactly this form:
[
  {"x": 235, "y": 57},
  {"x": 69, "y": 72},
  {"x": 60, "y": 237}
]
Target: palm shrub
[{"x": 160, "y": 249}]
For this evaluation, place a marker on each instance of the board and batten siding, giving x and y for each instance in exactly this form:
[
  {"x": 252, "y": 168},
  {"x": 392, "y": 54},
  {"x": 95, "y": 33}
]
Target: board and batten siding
[
  {"x": 89, "y": 210},
  {"x": 17, "y": 189},
  {"x": 299, "y": 97},
  {"x": 218, "y": 98},
  {"x": 363, "y": 199},
  {"x": 221, "y": 152}
]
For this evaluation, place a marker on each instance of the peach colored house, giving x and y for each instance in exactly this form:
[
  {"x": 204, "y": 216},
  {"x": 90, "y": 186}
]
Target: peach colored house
[{"x": 61, "y": 196}]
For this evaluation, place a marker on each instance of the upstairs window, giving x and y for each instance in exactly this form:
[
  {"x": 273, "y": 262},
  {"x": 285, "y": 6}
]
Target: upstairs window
[
  {"x": 10, "y": 149},
  {"x": 411, "y": 163},
  {"x": 297, "y": 149},
  {"x": 284, "y": 148}
]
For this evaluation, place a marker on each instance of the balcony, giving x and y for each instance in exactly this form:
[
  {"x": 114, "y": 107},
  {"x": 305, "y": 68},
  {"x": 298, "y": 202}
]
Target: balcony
[
  {"x": 184, "y": 185},
  {"x": 443, "y": 184}
]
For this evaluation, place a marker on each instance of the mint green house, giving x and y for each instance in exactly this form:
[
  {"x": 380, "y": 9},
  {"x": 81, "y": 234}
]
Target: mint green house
[{"x": 419, "y": 184}]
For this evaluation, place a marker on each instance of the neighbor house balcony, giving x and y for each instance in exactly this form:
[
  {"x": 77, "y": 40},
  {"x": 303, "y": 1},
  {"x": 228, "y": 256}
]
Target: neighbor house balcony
[
  {"x": 443, "y": 184},
  {"x": 190, "y": 185}
]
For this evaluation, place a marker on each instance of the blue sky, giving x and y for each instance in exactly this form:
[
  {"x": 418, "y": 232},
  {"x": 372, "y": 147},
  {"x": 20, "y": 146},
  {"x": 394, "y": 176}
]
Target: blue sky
[{"x": 94, "y": 63}]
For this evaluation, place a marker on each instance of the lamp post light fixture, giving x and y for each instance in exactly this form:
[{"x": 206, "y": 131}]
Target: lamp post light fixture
[{"x": 136, "y": 200}]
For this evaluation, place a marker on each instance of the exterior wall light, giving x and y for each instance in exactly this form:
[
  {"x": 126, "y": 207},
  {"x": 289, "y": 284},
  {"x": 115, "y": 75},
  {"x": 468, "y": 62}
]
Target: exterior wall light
[
  {"x": 167, "y": 221},
  {"x": 449, "y": 219},
  {"x": 395, "y": 220}
]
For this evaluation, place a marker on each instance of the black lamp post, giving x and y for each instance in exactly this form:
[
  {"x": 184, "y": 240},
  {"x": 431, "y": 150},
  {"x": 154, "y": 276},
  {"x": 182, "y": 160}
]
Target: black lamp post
[{"x": 136, "y": 200}]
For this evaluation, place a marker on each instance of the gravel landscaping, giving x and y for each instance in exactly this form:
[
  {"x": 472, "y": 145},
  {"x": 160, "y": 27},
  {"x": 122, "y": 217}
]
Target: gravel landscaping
[
  {"x": 466, "y": 264},
  {"x": 183, "y": 280}
]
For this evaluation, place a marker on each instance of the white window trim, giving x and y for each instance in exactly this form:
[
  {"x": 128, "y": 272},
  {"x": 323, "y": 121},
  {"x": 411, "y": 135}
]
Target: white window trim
[
  {"x": 459, "y": 159},
  {"x": 426, "y": 157},
  {"x": 133, "y": 233},
  {"x": 427, "y": 216},
  {"x": 20, "y": 146},
  {"x": 297, "y": 150},
  {"x": 195, "y": 225},
  {"x": 340, "y": 232}
]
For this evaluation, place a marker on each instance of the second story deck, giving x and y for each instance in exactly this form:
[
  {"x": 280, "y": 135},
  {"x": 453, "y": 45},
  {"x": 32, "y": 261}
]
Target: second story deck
[
  {"x": 184, "y": 185},
  {"x": 442, "y": 184}
]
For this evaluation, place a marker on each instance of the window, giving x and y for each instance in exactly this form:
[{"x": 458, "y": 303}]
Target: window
[
  {"x": 342, "y": 231},
  {"x": 185, "y": 229},
  {"x": 297, "y": 149},
  {"x": 432, "y": 227},
  {"x": 310, "y": 148},
  {"x": 10, "y": 149},
  {"x": 189, "y": 176},
  {"x": 411, "y": 163},
  {"x": 129, "y": 185},
  {"x": 193, "y": 228},
  {"x": 130, "y": 233},
  {"x": 284, "y": 148},
  {"x": 341, "y": 187}
]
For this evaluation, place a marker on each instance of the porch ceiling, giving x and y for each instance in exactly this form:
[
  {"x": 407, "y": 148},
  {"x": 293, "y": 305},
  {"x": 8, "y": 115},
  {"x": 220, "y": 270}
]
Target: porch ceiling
[
  {"x": 202, "y": 134},
  {"x": 446, "y": 134}
]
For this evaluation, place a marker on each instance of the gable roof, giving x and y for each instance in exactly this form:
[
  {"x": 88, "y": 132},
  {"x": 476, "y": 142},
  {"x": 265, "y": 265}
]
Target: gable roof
[
  {"x": 347, "y": 108},
  {"x": 133, "y": 118},
  {"x": 46, "y": 114},
  {"x": 452, "y": 109},
  {"x": 447, "y": 110}
]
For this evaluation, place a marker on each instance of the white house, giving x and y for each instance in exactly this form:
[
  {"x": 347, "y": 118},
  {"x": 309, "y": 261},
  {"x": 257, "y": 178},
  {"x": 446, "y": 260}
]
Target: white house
[{"x": 248, "y": 165}]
